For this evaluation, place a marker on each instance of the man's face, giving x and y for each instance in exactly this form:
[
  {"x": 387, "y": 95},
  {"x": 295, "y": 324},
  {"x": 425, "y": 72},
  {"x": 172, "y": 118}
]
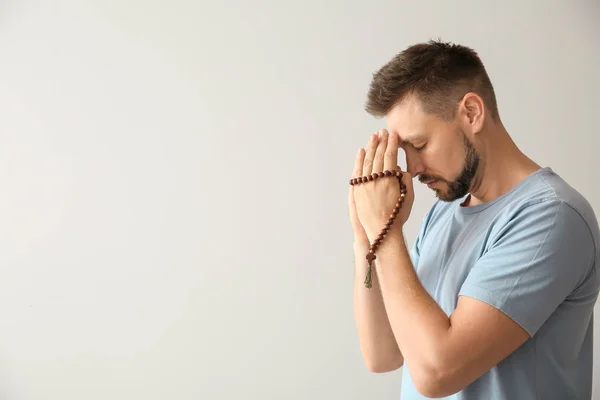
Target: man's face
[{"x": 437, "y": 152}]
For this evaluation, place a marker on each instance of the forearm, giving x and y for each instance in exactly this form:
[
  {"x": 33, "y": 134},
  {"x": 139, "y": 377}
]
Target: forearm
[
  {"x": 377, "y": 342},
  {"x": 420, "y": 326}
]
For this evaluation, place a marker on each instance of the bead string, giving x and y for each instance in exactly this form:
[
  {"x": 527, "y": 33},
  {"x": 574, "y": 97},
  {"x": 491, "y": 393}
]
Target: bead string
[{"x": 371, "y": 254}]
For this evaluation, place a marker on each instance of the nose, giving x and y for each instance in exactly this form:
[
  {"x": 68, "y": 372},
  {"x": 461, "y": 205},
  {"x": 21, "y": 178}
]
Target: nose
[{"x": 414, "y": 166}]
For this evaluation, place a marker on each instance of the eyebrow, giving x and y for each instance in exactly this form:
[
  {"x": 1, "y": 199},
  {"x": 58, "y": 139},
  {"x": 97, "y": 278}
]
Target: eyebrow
[{"x": 418, "y": 137}]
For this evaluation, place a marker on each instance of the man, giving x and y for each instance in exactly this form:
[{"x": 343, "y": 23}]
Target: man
[{"x": 495, "y": 299}]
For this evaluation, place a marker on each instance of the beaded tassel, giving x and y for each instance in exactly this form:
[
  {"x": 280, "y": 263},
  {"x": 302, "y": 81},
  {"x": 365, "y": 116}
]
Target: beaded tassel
[{"x": 368, "y": 278}]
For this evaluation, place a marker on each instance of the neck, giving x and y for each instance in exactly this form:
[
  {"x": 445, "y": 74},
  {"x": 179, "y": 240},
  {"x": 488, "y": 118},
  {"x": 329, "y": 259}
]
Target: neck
[{"x": 502, "y": 166}]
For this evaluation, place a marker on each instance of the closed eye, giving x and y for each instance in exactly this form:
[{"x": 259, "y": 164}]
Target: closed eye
[{"x": 420, "y": 148}]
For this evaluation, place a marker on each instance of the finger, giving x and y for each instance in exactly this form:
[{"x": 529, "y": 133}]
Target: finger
[
  {"x": 390, "y": 159},
  {"x": 367, "y": 166},
  {"x": 358, "y": 163},
  {"x": 380, "y": 153},
  {"x": 407, "y": 179}
]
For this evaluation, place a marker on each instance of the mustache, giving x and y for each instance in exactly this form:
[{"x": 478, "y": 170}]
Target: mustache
[{"x": 427, "y": 178}]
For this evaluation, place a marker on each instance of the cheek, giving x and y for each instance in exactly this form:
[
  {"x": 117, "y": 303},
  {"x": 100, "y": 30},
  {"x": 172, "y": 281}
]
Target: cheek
[
  {"x": 454, "y": 162},
  {"x": 455, "y": 159},
  {"x": 444, "y": 165},
  {"x": 441, "y": 164}
]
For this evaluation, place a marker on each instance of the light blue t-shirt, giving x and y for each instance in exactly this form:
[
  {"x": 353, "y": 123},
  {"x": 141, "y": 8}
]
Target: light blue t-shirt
[{"x": 531, "y": 253}]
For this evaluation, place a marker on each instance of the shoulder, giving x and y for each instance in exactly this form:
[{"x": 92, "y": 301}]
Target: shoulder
[
  {"x": 550, "y": 221},
  {"x": 550, "y": 198},
  {"x": 565, "y": 194}
]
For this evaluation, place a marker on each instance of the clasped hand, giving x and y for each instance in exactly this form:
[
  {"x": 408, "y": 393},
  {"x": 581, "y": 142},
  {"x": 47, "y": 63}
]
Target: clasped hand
[{"x": 371, "y": 203}]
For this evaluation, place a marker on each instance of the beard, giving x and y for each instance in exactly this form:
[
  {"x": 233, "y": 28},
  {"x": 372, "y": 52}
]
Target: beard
[{"x": 460, "y": 186}]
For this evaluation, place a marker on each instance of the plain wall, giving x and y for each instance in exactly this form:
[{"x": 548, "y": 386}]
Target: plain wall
[{"x": 173, "y": 217}]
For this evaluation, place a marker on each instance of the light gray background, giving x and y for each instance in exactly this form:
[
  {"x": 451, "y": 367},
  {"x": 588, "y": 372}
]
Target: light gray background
[{"x": 173, "y": 218}]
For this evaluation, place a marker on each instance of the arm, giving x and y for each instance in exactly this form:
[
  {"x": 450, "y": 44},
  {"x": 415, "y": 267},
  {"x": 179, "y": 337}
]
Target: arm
[
  {"x": 444, "y": 354},
  {"x": 528, "y": 270},
  {"x": 377, "y": 343}
]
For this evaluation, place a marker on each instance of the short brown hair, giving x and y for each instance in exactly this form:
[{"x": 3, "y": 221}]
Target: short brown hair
[{"x": 439, "y": 74}]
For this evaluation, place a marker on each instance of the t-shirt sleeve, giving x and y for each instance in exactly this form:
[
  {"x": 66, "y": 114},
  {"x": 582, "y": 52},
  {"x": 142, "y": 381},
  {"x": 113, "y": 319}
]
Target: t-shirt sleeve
[
  {"x": 539, "y": 257},
  {"x": 415, "y": 251}
]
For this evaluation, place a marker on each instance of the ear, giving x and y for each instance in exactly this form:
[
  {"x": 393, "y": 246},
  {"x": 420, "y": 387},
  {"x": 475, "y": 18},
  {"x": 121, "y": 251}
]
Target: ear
[{"x": 472, "y": 113}]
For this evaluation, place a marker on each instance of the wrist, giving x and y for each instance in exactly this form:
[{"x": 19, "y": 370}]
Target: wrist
[
  {"x": 361, "y": 244},
  {"x": 393, "y": 233},
  {"x": 393, "y": 242}
]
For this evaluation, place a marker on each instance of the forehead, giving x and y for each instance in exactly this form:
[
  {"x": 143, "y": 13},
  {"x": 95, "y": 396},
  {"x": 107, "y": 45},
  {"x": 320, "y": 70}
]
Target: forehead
[{"x": 408, "y": 120}]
